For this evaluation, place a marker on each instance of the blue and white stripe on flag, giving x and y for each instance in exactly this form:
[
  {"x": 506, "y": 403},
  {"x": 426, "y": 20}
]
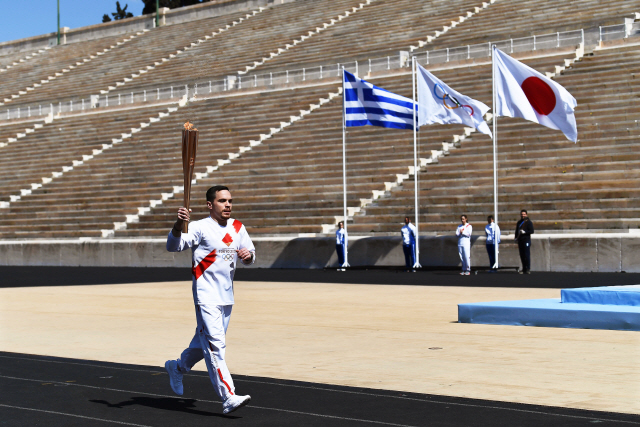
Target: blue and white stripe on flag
[{"x": 366, "y": 104}]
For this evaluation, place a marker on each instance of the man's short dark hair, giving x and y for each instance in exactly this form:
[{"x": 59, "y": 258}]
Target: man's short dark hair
[
  {"x": 211, "y": 193},
  {"x": 490, "y": 217},
  {"x": 341, "y": 223},
  {"x": 464, "y": 215},
  {"x": 525, "y": 211}
]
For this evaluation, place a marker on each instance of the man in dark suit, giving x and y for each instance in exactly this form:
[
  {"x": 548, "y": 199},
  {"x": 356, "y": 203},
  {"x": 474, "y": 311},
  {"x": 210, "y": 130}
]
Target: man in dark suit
[{"x": 524, "y": 230}]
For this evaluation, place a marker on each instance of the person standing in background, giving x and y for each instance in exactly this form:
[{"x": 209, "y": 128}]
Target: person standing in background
[
  {"x": 493, "y": 238},
  {"x": 409, "y": 237},
  {"x": 464, "y": 244},
  {"x": 524, "y": 230},
  {"x": 341, "y": 240}
]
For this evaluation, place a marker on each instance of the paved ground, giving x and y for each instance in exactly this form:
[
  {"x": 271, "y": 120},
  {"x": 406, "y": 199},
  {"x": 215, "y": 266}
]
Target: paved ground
[
  {"x": 313, "y": 347},
  {"x": 54, "y": 392}
]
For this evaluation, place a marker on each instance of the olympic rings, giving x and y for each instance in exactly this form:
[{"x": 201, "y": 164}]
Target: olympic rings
[
  {"x": 435, "y": 91},
  {"x": 444, "y": 97},
  {"x": 228, "y": 257}
]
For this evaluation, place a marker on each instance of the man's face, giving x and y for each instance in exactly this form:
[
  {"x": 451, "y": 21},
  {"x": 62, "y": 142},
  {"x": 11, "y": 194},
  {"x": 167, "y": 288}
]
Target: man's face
[
  {"x": 406, "y": 221},
  {"x": 463, "y": 219},
  {"x": 220, "y": 208},
  {"x": 523, "y": 215}
]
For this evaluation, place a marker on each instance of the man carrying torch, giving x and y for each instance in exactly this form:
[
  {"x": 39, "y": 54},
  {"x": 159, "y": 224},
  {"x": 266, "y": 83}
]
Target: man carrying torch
[{"x": 216, "y": 243}]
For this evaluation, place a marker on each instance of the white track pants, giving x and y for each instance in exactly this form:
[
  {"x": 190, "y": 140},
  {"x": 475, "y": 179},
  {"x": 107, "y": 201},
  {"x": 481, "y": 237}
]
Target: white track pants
[
  {"x": 209, "y": 343},
  {"x": 464, "y": 250}
]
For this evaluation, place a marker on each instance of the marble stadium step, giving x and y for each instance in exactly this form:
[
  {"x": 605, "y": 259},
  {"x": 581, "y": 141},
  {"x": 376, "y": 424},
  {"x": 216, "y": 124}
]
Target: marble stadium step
[
  {"x": 449, "y": 228},
  {"x": 408, "y": 21},
  {"x": 506, "y": 208},
  {"x": 48, "y": 68},
  {"x": 246, "y": 46},
  {"x": 508, "y": 18},
  {"x": 522, "y": 198},
  {"x": 479, "y": 216},
  {"x": 130, "y": 58}
]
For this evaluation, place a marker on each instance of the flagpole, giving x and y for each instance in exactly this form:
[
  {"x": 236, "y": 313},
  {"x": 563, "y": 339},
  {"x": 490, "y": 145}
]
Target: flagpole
[
  {"x": 415, "y": 164},
  {"x": 344, "y": 175},
  {"x": 495, "y": 154}
]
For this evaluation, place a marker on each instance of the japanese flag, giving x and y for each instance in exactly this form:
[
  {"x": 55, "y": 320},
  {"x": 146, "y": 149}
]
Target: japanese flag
[{"x": 523, "y": 92}]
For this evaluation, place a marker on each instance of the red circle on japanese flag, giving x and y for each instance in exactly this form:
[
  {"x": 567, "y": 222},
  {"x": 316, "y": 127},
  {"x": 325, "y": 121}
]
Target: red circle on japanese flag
[{"x": 540, "y": 95}]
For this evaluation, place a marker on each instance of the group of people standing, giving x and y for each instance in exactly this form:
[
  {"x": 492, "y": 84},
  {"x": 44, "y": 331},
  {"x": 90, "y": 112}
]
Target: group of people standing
[
  {"x": 409, "y": 235},
  {"x": 464, "y": 230},
  {"x": 523, "y": 232}
]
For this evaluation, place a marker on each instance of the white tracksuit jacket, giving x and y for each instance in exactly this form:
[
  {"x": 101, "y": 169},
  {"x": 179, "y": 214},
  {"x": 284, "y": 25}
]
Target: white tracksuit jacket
[
  {"x": 464, "y": 245},
  {"x": 213, "y": 266},
  {"x": 214, "y": 257}
]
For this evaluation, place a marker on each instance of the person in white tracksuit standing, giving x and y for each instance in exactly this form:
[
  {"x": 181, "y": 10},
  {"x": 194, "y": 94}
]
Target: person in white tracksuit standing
[
  {"x": 464, "y": 244},
  {"x": 217, "y": 242}
]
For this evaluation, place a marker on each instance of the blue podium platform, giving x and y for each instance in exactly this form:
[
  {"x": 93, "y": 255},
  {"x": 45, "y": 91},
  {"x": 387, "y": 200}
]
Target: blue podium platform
[
  {"x": 612, "y": 307},
  {"x": 609, "y": 295}
]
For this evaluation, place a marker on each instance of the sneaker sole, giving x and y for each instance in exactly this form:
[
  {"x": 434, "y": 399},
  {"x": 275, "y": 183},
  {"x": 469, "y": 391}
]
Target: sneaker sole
[{"x": 244, "y": 403}]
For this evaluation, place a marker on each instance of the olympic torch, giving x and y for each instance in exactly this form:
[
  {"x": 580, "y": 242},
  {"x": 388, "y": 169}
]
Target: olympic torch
[{"x": 189, "y": 146}]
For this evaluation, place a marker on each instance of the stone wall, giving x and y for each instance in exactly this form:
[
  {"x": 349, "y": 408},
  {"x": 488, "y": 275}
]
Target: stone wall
[{"x": 605, "y": 252}]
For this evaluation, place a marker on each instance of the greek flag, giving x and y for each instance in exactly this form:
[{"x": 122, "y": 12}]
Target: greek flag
[{"x": 366, "y": 104}]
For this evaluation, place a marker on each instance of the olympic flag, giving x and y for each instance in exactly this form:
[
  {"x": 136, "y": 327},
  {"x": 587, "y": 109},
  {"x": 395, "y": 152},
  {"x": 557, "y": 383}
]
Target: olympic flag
[
  {"x": 438, "y": 103},
  {"x": 523, "y": 92}
]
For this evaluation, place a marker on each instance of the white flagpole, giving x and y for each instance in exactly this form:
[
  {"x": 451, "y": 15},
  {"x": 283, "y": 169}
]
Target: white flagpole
[
  {"x": 415, "y": 164},
  {"x": 344, "y": 174},
  {"x": 495, "y": 153}
]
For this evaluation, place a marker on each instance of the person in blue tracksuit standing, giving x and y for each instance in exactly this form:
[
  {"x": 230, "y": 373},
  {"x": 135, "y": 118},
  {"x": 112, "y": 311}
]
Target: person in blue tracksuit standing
[
  {"x": 408, "y": 232},
  {"x": 341, "y": 242},
  {"x": 493, "y": 238}
]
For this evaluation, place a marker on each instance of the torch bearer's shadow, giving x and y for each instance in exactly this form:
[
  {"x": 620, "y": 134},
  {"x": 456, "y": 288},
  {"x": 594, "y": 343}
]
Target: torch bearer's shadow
[{"x": 165, "y": 403}]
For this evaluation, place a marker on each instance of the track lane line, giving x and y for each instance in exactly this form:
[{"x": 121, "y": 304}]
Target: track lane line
[
  {"x": 210, "y": 401},
  {"x": 471, "y": 405},
  {"x": 36, "y": 359},
  {"x": 414, "y": 399},
  {"x": 72, "y": 415}
]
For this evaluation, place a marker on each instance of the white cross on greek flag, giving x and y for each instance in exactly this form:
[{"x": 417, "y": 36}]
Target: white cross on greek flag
[{"x": 366, "y": 104}]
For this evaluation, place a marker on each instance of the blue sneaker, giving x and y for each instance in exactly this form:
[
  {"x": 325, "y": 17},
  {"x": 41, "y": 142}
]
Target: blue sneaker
[{"x": 175, "y": 376}]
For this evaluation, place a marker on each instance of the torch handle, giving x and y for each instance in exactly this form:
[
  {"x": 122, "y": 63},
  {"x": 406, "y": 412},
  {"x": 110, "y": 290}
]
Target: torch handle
[{"x": 189, "y": 147}]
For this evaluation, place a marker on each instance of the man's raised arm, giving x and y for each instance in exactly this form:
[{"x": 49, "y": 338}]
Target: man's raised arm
[{"x": 174, "y": 240}]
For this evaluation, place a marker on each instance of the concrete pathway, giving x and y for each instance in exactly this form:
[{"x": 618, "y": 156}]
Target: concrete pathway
[{"x": 389, "y": 337}]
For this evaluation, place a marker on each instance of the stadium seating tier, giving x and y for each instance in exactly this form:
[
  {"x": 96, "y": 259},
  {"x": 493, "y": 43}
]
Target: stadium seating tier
[{"x": 117, "y": 172}]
